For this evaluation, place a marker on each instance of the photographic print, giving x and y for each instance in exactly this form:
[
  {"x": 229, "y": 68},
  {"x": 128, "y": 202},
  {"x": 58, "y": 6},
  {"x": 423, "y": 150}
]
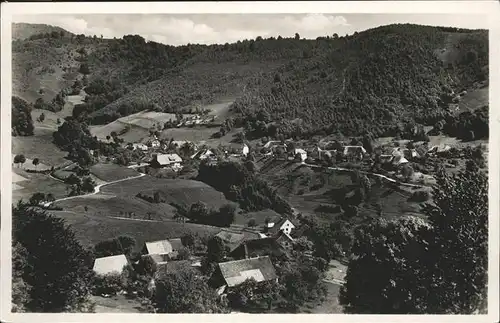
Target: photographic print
[{"x": 249, "y": 163}]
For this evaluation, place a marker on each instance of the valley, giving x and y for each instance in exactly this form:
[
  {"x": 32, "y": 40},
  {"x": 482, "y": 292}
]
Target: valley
[{"x": 294, "y": 147}]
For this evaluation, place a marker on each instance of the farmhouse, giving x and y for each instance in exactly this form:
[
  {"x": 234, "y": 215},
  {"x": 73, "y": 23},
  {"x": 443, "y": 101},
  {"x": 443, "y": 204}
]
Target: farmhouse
[
  {"x": 203, "y": 154},
  {"x": 259, "y": 247},
  {"x": 284, "y": 239},
  {"x": 139, "y": 146},
  {"x": 163, "y": 250},
  {"x": 354, "y": 151},
  {"x": 245, "y": 150},
  {"x": 167, "y": 160},
  {"x": 232, "y": 273},
  {"x": 301, "y": 152},
  {"x": 231, "y": 239},
  {"x": 438, "y": 149},
  {"x": 282, "y": 224},
  {"x": 111, "y": 264}
]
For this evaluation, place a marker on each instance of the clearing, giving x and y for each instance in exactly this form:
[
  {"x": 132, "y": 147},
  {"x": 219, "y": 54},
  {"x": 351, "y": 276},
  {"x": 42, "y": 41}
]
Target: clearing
[
  {"x": 112, "y": 172},
  {"x": 178, "y": 191},
  {"x": 39, "y": 146},
  {"x": 116, "y": 304}
]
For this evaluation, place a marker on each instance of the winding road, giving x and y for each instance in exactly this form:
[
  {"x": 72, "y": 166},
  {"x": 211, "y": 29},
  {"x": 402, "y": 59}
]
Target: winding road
[{"x": 97, "y": 189}]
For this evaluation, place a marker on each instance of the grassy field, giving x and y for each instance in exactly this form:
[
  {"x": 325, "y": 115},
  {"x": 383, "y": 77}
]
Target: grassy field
[
  {"x": 112, "y": 172},
  {"x": 116, "y": 304},
  {"x": 329, "y": 306},
  {"x": 171, "y": 190},
  {"x": 36, "y": 183},
  {"x": 91, "y": 229},
  {"x": 474, "y": 99},
  {"x": 118, "y": 206},
  {"x": 39, "y": 146},
  {"x": 28, "y": 165}
]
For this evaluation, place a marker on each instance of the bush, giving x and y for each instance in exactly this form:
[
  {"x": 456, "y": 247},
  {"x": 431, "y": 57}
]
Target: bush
[
  {"x": 420, "y": 196},
  {"x": 109, "y": 284}
]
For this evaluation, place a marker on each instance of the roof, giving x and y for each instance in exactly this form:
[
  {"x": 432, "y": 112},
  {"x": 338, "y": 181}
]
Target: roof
[
  {"x": 354, "y": 149},
  {"x": 163, "y": 246},
  {"x": 172, "y": 267},
  {"x": 165, "y": 159},
  {"x": 238, "y": 271},
  {"x": 108, "y": 265},
  {"x": 398, "y": 160},
  {"x": 259, "y": 247},
  {"x": 300, "y": 151},
  {"x": 203, "y": 152},
  {"x": 231, "y": 239},
  {"x": 277, "y": 225}
]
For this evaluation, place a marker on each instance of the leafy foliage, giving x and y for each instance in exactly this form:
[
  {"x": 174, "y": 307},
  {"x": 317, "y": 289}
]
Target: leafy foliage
[
  {"x": 22, "y": 123},
  {"x": 185, "y": 292},
  {"x": 418, "y": 266},
  {"x": 61, "y": 284}
]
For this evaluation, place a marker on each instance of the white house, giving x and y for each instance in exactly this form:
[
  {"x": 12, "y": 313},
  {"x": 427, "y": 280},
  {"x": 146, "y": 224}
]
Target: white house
[
  {"x": 283, "y": 224},
  {"x": 301, "y": 152},
  {"x": 167, "y": 160},
  {"x": 354, "y": 151},
  {"x": 109, "y": 265},
  {"x": 139, "y": 146},
  {"x": 245, "y": 150},
  {"x": 202, "y": 154}
]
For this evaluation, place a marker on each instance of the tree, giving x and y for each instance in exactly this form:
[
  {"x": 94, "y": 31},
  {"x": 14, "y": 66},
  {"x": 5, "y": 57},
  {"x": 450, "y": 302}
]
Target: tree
[
  {"x": 36, "y": 198},
  {"x": 63, "y": 283},
  {"x": 19, "y": 159},
  {"x": 41, "y": 118},
  {"x": 297, "y": 36},
  {"x": 185, "y": 292},
  {"x": 414, "y": 266},
  {"x": 188, "y": 240},
  {"x": 36, "y": 161},
  {"x": 84, "y": 69},
  {"x": 21, "y": 122},
  {"x": 20, "y": 290},
  {"x": 459, "y": 217},
  {"x": 394, "y": 253},
  {"x": 226, "y": 215}
]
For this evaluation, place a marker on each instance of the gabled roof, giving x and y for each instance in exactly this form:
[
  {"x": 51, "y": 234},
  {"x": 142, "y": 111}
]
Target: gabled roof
[
  {"x": 203, "y": 152},
  {"x": 398, "y": 160},
  {"x": 111, "y": 264},
  {"x": 162, "y": 247},
  {"x": 258, "y": 247},
  {"x": 277, "y": 226},
  {"x": 238, "y": 271},
  {"x": 231, "y": 239},
  {"x": 166, "y": 159},
  {"x": 172, "y": 267},
  {"x": 300, "y": 151}
]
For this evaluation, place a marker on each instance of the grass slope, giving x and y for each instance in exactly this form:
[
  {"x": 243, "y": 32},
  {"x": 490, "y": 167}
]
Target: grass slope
[{"x": 39, "y": 146}]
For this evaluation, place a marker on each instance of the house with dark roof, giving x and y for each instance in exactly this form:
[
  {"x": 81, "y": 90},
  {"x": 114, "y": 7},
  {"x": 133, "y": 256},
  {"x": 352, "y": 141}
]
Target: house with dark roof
[
  {"x": 232, "y": 273},
  {"x": 259, "y": 247}
]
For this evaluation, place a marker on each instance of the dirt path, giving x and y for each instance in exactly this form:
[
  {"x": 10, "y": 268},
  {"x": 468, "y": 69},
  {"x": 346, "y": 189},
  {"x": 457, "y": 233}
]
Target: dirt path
[{"x": 97, "y": 189}]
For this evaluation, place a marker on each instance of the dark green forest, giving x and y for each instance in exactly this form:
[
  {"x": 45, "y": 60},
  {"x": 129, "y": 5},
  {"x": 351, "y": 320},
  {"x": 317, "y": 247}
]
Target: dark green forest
[{"x": 369, "y": 81}]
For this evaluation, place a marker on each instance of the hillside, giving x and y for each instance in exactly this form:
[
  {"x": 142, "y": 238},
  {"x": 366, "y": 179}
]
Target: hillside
[
  {"x": 369, "y": 80},
  {"x": 21, "y": 31}
]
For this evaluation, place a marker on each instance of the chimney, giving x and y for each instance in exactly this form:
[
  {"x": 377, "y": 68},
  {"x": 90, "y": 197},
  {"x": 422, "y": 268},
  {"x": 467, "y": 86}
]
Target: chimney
[{"x": 246, "y": 249}]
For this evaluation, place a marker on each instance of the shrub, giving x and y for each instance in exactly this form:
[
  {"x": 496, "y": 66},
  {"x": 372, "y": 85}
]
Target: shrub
[{"x": 109, "y": 284}]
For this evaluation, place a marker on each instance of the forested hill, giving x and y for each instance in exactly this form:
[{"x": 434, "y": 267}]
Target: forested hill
[{"x": 366, "y": 81}]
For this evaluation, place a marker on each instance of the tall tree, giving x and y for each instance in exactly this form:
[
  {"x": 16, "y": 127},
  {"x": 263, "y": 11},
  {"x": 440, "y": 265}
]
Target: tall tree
[
  {"x": 185, "y": 292},
  {"x": 414, "y": 266},
  {"x": 63, "y": 283},
  {"x": 459, "y": 217}
]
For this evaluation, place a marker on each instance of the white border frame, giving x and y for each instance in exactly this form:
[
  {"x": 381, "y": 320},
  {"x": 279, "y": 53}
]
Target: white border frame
[{"x": 488, "y": 8}]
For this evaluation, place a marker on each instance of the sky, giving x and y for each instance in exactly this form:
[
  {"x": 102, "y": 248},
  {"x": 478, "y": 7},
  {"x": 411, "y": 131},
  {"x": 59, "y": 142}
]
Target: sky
[{"x": 182, "y": 29}]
